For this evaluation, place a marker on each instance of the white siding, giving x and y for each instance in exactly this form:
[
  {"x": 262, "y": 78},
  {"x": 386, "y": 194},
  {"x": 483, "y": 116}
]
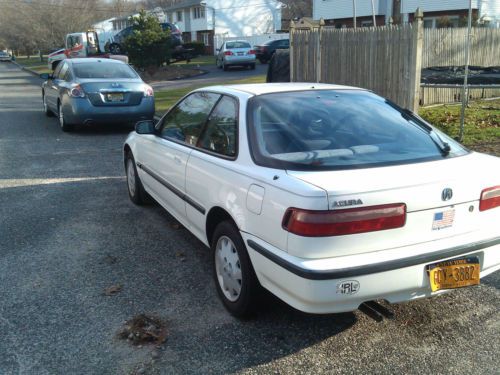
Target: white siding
[
  {"x": 335, "y": 9},
  {"x": 490, "y": 9},
  {"x": 409, "y": 6}
]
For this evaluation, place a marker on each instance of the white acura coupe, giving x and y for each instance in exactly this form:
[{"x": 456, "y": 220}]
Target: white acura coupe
[{"x": 327, "y": 196}]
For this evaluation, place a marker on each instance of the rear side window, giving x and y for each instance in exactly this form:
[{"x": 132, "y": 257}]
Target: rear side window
[
  {"x": 220, "y": 134},
  {"x": 186, "y": 120},
  {"x": 336, "y": 129},
  {"x": 231, "y": 45},
  {"x": 103, "y": 69}
]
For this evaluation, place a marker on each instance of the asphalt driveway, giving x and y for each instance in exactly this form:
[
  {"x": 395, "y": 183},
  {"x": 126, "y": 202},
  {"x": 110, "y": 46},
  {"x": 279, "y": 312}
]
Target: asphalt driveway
[{"x": 68, "y": 232}]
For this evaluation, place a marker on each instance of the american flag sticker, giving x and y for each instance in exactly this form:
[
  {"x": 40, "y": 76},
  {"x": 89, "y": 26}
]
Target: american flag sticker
[{"x": 443, "y": 219}]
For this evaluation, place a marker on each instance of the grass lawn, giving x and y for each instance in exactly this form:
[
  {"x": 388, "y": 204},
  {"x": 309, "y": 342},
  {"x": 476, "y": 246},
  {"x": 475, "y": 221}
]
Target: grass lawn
[
  {"x": 482, "y": 120},
  {"x": 34, "y": 63},
  {"x": 200, "y": 60},
  {"x": 167, "y": 98}
]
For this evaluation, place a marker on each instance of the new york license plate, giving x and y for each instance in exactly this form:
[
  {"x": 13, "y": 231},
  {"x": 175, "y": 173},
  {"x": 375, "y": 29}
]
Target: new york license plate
[
  {"x": 454, "y": 273},
  {"x": 115, "y": 97}
]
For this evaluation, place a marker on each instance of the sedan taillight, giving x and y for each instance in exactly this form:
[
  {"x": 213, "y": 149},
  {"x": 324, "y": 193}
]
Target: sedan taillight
[
  {"x": 76, "y": 92},
  {"x": 310, "y": 223},
  {"x": 251, "y": 52},
  {"x": 490, "y": 198},
  {"x": 228, "y": 53}
]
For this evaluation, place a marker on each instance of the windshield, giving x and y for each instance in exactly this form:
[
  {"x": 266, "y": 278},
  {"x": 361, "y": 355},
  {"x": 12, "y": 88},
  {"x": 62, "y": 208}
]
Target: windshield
[
  {"x": 337, "y": 129},
  {"x": 103, "y": 69}
]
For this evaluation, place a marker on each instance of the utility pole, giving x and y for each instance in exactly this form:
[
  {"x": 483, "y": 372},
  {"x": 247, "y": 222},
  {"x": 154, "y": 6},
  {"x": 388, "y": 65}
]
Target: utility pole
[
  {"x": 354, "y": 13},
  {"x": 465, "y": 89},
  {"x": 373, "y": 14}
]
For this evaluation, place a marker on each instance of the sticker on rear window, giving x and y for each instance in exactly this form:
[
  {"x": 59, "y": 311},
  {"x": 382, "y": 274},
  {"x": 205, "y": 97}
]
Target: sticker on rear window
[{"x": 443, "y": 219}]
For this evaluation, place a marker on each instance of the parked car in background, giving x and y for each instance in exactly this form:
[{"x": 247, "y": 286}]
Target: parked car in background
[
  {"x": 235, "y": 53},
  {"x": 265, "y": 51},
  {"x": 116, "y": 46},
  {"x": 4, "y": 56},
  {"x": 328, "y": 196},
  {"x": 101, "y": 91}
]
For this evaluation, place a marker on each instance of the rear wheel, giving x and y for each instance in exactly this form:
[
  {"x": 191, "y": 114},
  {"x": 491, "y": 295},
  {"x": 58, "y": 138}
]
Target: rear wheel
[
  {"x": 235, "y": 278},
  {"x": 65, "y": 127},
  {"x": 224, "y": 66},
  {"x": 46, "y": 109},
  {"x": 252, "y": 66}
]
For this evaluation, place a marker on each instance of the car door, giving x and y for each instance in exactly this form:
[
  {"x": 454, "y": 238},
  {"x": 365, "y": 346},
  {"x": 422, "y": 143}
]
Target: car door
[
  {"x": 163, "y": 158},
  {"x": 208, "y": 174},
  {"x": 52, "y": 89}
]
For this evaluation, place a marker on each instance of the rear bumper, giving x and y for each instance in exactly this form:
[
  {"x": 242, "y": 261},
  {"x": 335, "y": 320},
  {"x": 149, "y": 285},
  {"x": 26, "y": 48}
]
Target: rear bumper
[
  {"x": 239, "y": 60},
  {"x": 312, "y": 285},
  {"x": 81, "y": 111}
]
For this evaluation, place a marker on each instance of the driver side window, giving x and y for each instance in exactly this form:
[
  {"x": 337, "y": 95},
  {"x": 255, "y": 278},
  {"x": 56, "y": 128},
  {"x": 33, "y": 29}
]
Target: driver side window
[{"x": 185, "y": 122}]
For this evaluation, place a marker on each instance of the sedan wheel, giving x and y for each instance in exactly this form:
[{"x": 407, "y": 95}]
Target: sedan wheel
[
  {"x": 65, "y": 127},
  {"x": 136, "y": 191},
  {"x": 46, "y": 109},
  {"x": 235, "y": 277}
]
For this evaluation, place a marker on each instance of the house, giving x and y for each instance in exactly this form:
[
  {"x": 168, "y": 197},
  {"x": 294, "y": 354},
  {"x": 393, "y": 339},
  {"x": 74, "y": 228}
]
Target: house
[
  {"x": 200, "y": 20},
  {"x": 442, "y": 13}
]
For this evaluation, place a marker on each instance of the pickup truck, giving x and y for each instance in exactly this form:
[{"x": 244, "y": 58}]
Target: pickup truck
[{"x": 81, "y": 44}]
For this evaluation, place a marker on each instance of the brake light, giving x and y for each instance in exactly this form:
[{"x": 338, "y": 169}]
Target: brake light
[
  {"x": 228, "y": 53},
  {"x": 490, "y": 198},
  {"x": 251, "y": 52},
  {"x": 148, "y": 91},
  {"x": 76, "y": 92},
  {"x": 310, "y": 223}
]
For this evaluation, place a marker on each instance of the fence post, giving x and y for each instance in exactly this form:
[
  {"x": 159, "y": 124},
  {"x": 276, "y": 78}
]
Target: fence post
[
  {"x": 292, "y": 51},
  {"x": 416, "y": 62},
  {"x": 319, "y": 45}
]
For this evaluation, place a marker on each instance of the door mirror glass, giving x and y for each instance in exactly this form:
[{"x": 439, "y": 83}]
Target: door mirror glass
[
  {"x": 46, "y": 76},
  {"x": 145, "y": 127}
]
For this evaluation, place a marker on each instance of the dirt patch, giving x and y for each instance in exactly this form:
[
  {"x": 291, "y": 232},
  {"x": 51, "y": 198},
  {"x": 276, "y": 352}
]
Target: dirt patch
[
  {"x": 143, "y": 329},
  {"x": 168, "y": 73}
]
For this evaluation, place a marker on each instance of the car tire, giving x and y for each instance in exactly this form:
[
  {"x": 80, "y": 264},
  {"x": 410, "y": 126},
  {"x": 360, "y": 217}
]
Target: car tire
[
  {"x": 217, "y": 64},
  {"x": 263, "y": 61},
  {"x": 224, "y": 67},
  {"x": 65, "y": 127},
  {"x": 115, "y": 49},
  {"x": 46, "y": 108},
  {"x": 235, "y": 279},
  {"x": 252, "y": 66},
  {"x": 135, "y": 188}
]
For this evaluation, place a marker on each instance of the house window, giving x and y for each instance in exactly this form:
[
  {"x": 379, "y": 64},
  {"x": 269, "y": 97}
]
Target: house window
[
  {"x": 366, "y": 23},
  {"x": 198, "y": 12},
  {"x": 179, "y": 16},
  {"x": 205, "y": 39}
]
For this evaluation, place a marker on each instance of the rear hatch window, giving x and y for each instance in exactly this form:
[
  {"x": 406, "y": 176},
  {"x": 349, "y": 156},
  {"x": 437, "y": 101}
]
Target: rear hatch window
[{"x": 340, "y": 129}]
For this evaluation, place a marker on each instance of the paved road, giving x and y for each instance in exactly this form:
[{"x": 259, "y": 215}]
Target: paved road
[
  {"x": 214, "y": 75},
  {"x": 68, "y": 231}
]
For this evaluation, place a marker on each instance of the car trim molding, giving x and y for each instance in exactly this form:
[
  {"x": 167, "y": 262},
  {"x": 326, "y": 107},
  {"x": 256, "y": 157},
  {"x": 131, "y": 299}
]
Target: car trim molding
[
  {"x": 371, "y": 268},
  {"x": 173, "y": 189}
]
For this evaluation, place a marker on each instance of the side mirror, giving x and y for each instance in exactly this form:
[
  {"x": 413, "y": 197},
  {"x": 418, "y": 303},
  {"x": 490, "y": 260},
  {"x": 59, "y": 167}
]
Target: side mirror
[
  {"x": 145, "y": 127},
  {"x": 46, "y": 76},
  {"x": 218, "y": 49}
]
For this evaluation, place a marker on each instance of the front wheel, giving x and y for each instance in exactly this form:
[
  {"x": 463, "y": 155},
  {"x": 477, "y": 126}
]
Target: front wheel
[
  {"x": 46, "y": 109},
  {"x": 235, "y": 279},
  {"x": 136, "y": 191},
  {"x": 115, "y": 49}
]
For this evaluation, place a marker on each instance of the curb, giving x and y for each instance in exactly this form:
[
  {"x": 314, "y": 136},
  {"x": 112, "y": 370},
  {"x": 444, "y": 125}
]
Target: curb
[{"x": 25, "y": 69}]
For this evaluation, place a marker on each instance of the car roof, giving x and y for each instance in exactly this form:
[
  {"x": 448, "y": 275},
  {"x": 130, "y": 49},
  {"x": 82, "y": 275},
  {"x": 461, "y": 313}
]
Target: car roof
[
  {"x": 269, "y": 88},
  {"x": 94, "y": 60}
]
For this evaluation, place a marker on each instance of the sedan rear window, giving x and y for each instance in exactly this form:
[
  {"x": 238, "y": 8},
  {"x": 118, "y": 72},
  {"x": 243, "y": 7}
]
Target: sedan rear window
[
  {"x": 231, "y": 45},
  {"x": 339, "y": 129},
  {"x": 103, "y": 70}
]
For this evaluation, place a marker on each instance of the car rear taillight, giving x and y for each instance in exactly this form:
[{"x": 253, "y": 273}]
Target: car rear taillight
[
  {"x": 251, "y": 52},
  {"x": 76, "y": 92},
  {"x": 148, "y": 91},
  {"x": 228, "y": 53},
  {"x": 490, "y": 198},
  {"x": 342, "y": 222}
]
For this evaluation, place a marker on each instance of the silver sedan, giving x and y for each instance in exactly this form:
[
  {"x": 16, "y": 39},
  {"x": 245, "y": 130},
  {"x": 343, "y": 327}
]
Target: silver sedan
[
  {"x": 91, "y": 90},
  {"x": 235, "y": 53}
]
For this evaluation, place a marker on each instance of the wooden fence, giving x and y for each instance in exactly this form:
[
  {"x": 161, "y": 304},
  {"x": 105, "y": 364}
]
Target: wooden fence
[
  {"x": 445, "y": 47},
  {"x": 384, "y": 59},
  {"x": 389, "y": 59}
]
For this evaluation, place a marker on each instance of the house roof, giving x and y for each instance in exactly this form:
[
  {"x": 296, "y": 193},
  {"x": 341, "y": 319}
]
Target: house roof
[{"x": 184, "y": 4}]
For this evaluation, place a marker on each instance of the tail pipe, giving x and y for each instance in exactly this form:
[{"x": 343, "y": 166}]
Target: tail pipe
[{"x": 376, "y": 311}]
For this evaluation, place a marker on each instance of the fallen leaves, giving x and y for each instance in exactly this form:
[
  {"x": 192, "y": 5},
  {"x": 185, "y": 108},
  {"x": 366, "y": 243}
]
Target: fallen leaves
[
  {"x": 112, "y": 290},
  {"x": 143, "y": 329}
]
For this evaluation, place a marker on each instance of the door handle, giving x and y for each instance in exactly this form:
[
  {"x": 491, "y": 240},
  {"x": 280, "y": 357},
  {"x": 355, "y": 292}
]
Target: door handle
[{"x": 177, "y": 160}]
